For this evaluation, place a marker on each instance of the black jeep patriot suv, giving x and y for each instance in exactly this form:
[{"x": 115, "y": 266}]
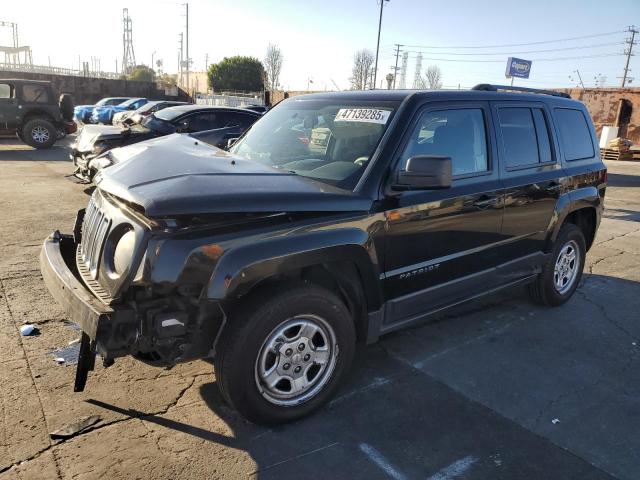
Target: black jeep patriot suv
[
  {"x": 337, "y": 217},
  {"x": 34, "y": 111}
]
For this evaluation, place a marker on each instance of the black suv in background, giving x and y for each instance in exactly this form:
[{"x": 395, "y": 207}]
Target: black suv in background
[
  {"x": 35, "y": 112},
  {"x": 95, "y": 140},
  {"x": 337, "y": 217}
]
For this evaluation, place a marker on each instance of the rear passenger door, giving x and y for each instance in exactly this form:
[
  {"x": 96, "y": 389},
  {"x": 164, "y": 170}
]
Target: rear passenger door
[
  {"x": 531, "y": 173},
  {"x": 442, "y": 245}
]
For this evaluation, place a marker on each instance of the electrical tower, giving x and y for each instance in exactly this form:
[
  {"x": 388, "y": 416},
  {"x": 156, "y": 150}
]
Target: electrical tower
[
  {"x": 12, "y": 53},
  {"x": 627, "y": 51},
  {"x": 403, "y": 71},
  {"x": 417, "y": 76},
  {"x": 128, "y": 56}
]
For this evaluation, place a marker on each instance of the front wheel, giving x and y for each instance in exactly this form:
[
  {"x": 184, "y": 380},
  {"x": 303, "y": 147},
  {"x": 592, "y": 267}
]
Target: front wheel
[
  {"x": 39, "y": 133},
  {"x": 285, "y": 354},
  {"x": 562, "y": 273}
]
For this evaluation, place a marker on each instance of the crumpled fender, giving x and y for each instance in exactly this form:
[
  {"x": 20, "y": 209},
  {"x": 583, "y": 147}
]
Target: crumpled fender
[{"x": 243, "y": 266}]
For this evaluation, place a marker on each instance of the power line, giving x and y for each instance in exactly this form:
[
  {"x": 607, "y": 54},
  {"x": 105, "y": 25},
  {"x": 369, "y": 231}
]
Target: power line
[
  {"x": 533, "y": 59},
  {"x": 523, "y": 44},
  {"x": 520, "y": 53}
]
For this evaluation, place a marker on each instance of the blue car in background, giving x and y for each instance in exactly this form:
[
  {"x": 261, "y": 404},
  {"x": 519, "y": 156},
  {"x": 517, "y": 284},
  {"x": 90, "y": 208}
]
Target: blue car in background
[
  {"x": 104, "y": 113},
  {"x": 82, "y": 113}
]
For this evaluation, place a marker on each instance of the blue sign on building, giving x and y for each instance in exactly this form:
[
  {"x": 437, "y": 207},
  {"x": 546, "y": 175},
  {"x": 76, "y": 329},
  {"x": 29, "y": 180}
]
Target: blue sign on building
[{"x": 517, "y": 67}]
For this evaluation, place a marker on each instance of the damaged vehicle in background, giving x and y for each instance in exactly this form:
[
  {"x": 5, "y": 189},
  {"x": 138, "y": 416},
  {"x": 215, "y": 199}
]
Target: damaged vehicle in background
[
  {"x": 128, "y": 118},
  {"x": 337, "y": 217},
  {"x": 95, "y": 140},
  {"x": 82, "y": 113},
  {"x": 104, "y": 114}
]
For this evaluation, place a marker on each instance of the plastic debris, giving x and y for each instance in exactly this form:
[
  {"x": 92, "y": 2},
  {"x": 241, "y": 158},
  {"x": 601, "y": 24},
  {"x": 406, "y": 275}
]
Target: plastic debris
[
  {"x": 27, "y": 329},
  {"x": 59, "y": 360},
  {"x": 68, "y": 354},
  {"x": 555, "y": 420},
  {"x": 73, "y": 342},
  {"x": 75, "y": 428}
]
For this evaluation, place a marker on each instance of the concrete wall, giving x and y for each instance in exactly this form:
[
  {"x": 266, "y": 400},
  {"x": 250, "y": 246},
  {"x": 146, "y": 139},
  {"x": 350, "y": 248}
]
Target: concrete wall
[
  {"x": 87, "y": 90},
  {"x": 603, "y": 104}
]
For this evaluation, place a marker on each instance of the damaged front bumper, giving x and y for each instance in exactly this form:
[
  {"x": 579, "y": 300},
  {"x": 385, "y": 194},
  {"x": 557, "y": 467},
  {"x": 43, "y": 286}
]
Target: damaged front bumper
[
  {"x": 81, "y": 162},
  {"x": 107, "y": 330}
]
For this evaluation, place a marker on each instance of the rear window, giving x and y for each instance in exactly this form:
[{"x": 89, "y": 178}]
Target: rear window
[
  {"x": 575, "y": 135},
  {"x": 35, "y": 94},
  {"x": 5, "y": 90}
]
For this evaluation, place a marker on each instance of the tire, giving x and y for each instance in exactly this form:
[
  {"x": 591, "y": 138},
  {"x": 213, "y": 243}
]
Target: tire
[
  {"x": 66, "y": 106},
  {"x": 285, "y": 319},
  {"x": 550, "y": 289},
  {"x": 39, "y": 133}
]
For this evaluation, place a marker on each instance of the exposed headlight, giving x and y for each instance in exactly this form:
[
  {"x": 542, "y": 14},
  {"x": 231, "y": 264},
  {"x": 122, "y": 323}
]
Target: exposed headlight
[{"x": 123, "y": 252}]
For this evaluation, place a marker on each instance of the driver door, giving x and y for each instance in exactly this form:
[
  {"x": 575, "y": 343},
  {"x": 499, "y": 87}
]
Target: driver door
[{"x": 442, "y": 245}]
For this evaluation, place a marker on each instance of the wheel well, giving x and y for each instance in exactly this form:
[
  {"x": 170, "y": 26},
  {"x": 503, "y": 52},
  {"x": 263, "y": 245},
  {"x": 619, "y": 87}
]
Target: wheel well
[
  {"x": 585, "y": 219},
  {"x": 341, "y": 278},
  {"x": 33, "y": 114}
]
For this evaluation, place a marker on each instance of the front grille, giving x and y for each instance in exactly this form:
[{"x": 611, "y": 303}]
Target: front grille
[{"x": 94, "y": 231}]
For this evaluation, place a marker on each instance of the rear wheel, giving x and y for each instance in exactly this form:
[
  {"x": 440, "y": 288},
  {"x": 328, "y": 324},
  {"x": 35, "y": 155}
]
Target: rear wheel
[
  {"x": 562, "y": 273},
  {"x": 39, "y": 133},
  {"x": 285, "y": 354}
]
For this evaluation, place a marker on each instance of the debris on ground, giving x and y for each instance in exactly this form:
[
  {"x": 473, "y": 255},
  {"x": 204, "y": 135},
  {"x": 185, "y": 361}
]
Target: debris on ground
[
  {"x": 555, "y": 420},
  {"x": 27, "y": 330},
  {"x": 67, "y": 355},
  {"x": 75, "y": 428}
]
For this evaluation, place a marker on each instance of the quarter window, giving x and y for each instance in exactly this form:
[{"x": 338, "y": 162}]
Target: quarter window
[
  {"x": 5, "y": 90},
  {"x": 525, "y": 136},
  {"x": 575, "y": 135},
  {"x": 459, "y": 134},
  {"x": 35, "y": 94}
]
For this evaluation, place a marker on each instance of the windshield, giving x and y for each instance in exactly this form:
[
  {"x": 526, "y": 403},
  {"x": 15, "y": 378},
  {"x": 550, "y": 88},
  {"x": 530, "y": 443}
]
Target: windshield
[
  {"x": 102, "y": 102},
  {"x": 147, "y": 107},
  {"x": 128, "y": 103},
  {"x": 327, "y": 140},
  {"x": 169, "y": 114}
]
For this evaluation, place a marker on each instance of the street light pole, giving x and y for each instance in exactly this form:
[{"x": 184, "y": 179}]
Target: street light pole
[{"x": 375, "y": 71}]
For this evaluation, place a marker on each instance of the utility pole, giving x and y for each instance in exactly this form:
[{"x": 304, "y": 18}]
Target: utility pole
[
  {"x": 206, "y": 62},
  {"x": 181, "y": 59},
  {"x": 395, "y": 69},
  {"x": 628, "y": 53},
  {"x": 580, "y": 78},
  {"x": 375, "y": 71},
  {"x": 188, "y": 58}
]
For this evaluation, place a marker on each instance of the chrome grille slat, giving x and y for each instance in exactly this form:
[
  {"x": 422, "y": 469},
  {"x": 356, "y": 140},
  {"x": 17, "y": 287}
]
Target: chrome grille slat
[{"x": 95, "y": 228}]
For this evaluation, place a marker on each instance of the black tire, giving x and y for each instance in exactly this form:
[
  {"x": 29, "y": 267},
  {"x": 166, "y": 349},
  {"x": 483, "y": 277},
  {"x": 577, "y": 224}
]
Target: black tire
[
  {"x": 39, "y": 133},
  {"x": 66, "y": 106},
  {"x": 544, "y": 290},
  {"x": 240, "y": 347}
]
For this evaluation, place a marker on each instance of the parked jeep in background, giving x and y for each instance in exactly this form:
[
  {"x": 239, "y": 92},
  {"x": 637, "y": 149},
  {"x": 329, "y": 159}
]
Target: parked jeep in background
[
  {"x": 336, "y": 217},
  {"x": 37, "y": 114}
]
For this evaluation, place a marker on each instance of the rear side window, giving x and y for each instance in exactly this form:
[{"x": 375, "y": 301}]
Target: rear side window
[
  {"x": 5, "y": 90},
  {"x": 35, "y": 94},
  {"x": 525, "y": 136},
  {"x": 575, "y": 135},
  {"x": 459, "y": 134},
  {"x": 238, "y": 119}
]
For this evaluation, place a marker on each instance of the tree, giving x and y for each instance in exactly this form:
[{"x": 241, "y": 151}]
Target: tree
[
  {"x": 362, "y": 69},
  {"x": 273, "y": 66},
  {"x": 236, "y": 73},
  {"x": 142, "y": 73},
  {"x": 434, "y": 77}
]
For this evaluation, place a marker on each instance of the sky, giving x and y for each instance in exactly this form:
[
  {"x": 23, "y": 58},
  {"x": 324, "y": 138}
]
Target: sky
[{"x": 319, "y": 38}]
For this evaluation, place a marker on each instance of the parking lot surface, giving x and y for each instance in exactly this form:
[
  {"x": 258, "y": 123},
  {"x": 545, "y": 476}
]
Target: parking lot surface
[{"x": 500, "y": 388}]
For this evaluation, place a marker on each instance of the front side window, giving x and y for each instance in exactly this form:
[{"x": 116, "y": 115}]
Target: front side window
[
  {"x": 35, "y": 94},
  {"x": 330, "y": 140},
  {"x": 5, "y": 90},
  {"x": 575, "y": 135},
  {"x": 459, "y": 134}
]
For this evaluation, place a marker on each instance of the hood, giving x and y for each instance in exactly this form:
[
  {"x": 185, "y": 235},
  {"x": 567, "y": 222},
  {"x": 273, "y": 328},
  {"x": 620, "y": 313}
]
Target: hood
[
  {"x": 177, "y": 175},
  {"x": 90, "y": 134}
]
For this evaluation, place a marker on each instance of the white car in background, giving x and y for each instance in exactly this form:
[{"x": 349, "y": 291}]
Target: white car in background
[{"x": 135, "y": 117}]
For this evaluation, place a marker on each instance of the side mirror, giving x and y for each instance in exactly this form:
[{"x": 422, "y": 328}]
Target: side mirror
[
  {"x": 425, "y": 172},
  {"x": 231, "y": 141},
  {"x": 183, "y": 127}
]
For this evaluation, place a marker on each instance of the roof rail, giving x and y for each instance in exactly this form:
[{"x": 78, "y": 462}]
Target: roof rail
[{"x": 487, "y": 87}]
